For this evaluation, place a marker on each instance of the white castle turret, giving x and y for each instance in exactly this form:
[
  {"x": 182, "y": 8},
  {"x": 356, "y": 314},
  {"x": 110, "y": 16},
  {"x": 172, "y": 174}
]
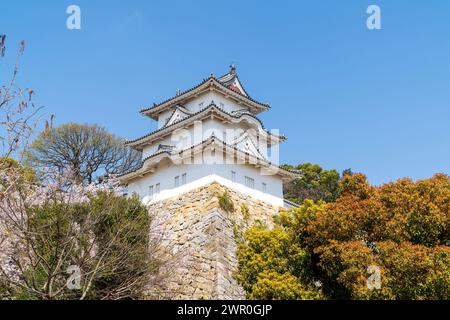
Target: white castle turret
[{"x": 209, "y": 133}]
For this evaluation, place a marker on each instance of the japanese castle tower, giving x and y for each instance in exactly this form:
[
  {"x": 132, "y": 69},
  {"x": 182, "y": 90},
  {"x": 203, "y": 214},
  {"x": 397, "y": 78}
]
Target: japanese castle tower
[{"x": 209, "y": 133}]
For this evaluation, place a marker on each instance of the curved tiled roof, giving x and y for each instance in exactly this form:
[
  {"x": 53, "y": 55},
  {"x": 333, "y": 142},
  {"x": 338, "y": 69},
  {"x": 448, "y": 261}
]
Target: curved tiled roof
[
  {"x": 237, "y": 115},
  {"x": 211, "y": 139},
  {"x": 210, "y": 80}
]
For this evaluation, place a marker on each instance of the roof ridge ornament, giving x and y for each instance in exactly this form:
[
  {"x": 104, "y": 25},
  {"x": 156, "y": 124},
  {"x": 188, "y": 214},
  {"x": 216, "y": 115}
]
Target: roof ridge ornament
[{"x": 232, "y": 68}]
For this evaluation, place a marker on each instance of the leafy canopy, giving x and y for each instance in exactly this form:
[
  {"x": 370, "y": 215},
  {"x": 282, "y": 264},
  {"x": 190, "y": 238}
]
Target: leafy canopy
[
  {"x": 86, "y": 151},
  {"x": 402, "y": 228},
  {"x": 315, "y": 184}
]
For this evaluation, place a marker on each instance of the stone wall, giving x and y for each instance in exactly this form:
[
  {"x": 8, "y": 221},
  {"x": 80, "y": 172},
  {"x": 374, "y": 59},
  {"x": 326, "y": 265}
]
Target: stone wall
[{"x": 200, "y": 238}]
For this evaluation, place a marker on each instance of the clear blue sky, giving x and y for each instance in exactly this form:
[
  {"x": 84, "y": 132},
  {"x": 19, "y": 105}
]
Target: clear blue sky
[{"x": 346, "y": 97}]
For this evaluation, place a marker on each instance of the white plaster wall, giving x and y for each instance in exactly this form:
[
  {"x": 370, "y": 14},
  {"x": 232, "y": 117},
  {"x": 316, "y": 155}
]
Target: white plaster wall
[
  {"x": 206, "y": 98},
  {"x": 149, "y": 150},
  {"x": 201, "y": 102},
  {"x": 198, "y": 175},
  {"x": 164, "y": 117},
  {"x": 185, "y": 138}
]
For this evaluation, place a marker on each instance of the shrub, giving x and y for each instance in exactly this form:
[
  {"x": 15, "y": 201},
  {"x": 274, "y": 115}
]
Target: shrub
[
  {"x": 245, "y": 211},
  {"x": 275, "y": 286},
  {"x": 106, "y": 237},
  {"x": 225, "y": 202}
]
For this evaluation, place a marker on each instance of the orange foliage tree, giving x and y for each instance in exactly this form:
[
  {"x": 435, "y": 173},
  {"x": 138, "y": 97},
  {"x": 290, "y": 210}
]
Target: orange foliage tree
[{"x": 399, "y": 232}]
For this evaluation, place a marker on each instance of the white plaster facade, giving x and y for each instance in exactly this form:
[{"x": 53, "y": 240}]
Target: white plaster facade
[{"x": 268, "y": 188}]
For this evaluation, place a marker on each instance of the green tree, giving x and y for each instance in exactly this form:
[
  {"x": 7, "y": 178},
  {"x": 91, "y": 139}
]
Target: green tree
[
  {"x": 400, "y": 229},
  {"x": 107, "y": 238},
  {"x": 315, "y": 183},
  {"x": 14, "y": 172},
  {"x": 271, "y": 285},
  {"x": 270, "y": 261},
  {"x": 86, "y": 151}
]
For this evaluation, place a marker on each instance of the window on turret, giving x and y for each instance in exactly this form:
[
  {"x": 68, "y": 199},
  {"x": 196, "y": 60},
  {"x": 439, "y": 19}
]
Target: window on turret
[
  {"x": 233, "y": 176},
  {"x": 177, "y": 181},
  {"x": 183, "y": 178},
  {"x": 249, "y": 182},
  {"x": 158, "y": 188},
  {"x": 264, "y": 187},
  {"x": 150, "y": 191}
]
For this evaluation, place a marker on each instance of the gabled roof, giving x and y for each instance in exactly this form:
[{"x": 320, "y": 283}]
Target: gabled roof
[
  {"x": 246, "y": 143},
  {"x": 211, "y": 108},
  {"x": 147, "y": 165},
  {"x": 228, "y": 84},
  {"x": 178, "y": 114},
  {"x": 231, "y": 81}
]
